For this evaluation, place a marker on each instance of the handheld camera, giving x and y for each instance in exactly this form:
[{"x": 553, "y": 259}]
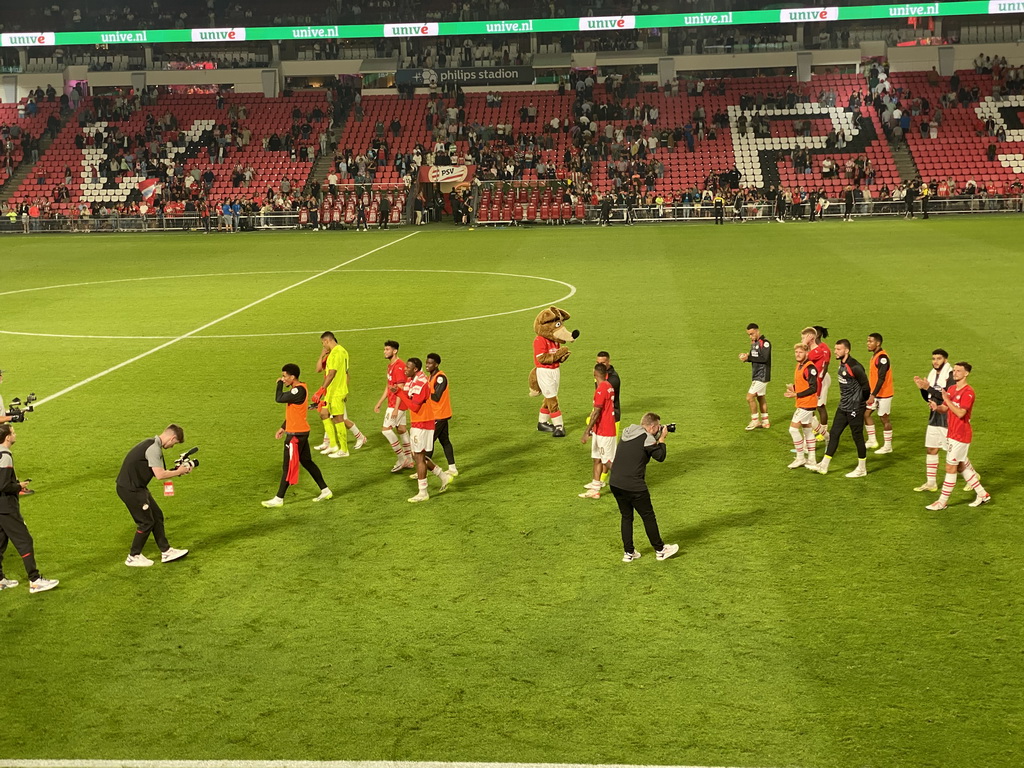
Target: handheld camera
[
  {"x": 186, "y": 460},
  {"x": 17, "y": 410},
  {"x": 670, "y": 427}
]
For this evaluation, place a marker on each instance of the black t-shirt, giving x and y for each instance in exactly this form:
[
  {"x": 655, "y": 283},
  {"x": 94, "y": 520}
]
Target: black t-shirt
[{"x": 137, "y": 468}]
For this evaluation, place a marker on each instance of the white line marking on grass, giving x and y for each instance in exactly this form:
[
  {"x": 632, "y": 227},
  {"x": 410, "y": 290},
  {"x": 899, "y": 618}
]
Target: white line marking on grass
[
  {"x": 221, "y": 319},
  {"x": 570, "y": 294},
  {"x": 295, "y": 764},
  {"x": 157, "y": 277}
]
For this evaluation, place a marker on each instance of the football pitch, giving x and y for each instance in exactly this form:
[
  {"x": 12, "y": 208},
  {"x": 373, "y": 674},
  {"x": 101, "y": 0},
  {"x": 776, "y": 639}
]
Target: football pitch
[{"x": 808, "y": 621}]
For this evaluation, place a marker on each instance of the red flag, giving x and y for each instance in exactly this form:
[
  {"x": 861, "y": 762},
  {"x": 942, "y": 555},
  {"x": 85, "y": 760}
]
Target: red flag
[{"x": 148, "y": 188}]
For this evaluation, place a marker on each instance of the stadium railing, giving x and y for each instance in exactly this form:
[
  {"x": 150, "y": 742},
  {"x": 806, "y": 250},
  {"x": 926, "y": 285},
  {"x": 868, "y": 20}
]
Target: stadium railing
[{"x": 278, "y": 220}]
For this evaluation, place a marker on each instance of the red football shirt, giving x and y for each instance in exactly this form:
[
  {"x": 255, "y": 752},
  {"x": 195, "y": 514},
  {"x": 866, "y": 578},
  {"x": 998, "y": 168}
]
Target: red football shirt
[
  {"x": 960, "y": 426},
  {"x": 542, "y": 346},
  {"x": 604, "y": 398},
  {"x": 396, "y": 375},
  {"x": 416, "y": 399},
  {"x": 821, "y": 356}
]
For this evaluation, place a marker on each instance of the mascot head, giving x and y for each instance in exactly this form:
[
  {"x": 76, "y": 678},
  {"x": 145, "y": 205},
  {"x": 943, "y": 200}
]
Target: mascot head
[{"x": 550, "y": 324}]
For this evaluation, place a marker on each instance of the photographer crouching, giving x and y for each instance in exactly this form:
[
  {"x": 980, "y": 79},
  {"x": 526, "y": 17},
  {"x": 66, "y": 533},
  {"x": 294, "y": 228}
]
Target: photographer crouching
[
  {"x": 639, "y": 444},
  {"x": 144, "y": 462}
]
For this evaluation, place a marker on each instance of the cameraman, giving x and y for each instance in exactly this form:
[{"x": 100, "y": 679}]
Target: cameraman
[
  {"x": 6, "y": 418},
  {"x": 639, "y": 444},
  {"x": 12, "y": 525},
  {"x": 144, "y": 462}
]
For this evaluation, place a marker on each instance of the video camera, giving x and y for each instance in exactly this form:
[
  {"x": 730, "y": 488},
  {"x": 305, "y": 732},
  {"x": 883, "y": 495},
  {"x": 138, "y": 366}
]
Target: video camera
[
  {"x": 17, "y": 410},
  {"x": 185, "y": 459}
]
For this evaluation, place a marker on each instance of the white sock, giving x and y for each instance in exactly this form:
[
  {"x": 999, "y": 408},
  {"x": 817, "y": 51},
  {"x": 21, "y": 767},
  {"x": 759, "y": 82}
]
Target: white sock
[
  {"x": 947, "y": 486},
  {"x": 798, "y": 440},
  {"x": 871, "y": 433},
  {"x": 764, "y": 416},
  {"x": 422, "y": 485},
  {"x": 931, "y": 463},
  {"x": 825, "y": 462},
  {"x": 451, "y": 468},
  {"x": 557, "y": 420},
  {"x": 887, "y": 436},
  {"x": 543, "y": 418},
  {"x": 355, "y": 431},
  {"x": 392, "y": 438},
  {"x": 972, "y": 480},
  {"x": 862, "y": 464},
  {"x": 437, "y": 471},
  {"x": 406, "y": 444},
  {"x": 809, "y": 444}
]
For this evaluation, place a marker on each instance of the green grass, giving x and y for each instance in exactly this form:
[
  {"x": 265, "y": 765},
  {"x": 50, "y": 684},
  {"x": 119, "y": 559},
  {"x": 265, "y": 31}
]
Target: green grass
[{"x": 808, "y": 621}]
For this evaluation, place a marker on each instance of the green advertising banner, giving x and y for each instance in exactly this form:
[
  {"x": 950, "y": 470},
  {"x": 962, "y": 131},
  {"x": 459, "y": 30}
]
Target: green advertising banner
[{"x": 523, "y": 26}]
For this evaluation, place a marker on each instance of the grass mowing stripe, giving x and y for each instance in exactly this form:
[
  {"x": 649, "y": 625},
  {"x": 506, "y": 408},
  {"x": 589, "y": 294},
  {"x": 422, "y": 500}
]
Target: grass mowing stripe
[{"x": 212, "y": 323}]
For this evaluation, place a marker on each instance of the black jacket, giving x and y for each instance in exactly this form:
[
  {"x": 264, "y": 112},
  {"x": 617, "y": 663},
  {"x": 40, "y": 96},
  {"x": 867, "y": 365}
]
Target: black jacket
[{"x": 636, "y": 448}]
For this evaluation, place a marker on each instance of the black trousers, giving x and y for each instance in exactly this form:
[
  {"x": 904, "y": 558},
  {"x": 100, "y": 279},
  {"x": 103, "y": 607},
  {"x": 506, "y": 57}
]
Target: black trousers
[
  {"x": 305, "y": 459},
  {"x": 441, "y": 436},
  {"x": 13, "y": 529},
  {"x": 148, "y": 517},
  {"x": 639, "y": 502},
  {"x": 842, "y": 420}
]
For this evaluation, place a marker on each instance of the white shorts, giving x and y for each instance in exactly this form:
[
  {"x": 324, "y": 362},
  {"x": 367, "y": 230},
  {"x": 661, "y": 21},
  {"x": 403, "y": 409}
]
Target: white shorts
[
  {"x": 882, "y": 406},
  {"x": 602, "y": 447},
  {"x": 935, "y": 437},
  {"x": 758, "y": 388},
  {"x": 394, "y": 417},
  {"x": 956, "y": 451},
  {"x": 826, "y": 384},
  {"x": 803, "y": 416},
  {"x": 421, "y": 439},
  {"x": 547, "y": 380}
]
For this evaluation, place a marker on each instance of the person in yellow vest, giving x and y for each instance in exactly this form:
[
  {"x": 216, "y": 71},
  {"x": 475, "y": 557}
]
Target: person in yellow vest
[
  {"x": 440, "y": 395},
  {"x": 295, "y": 431}
]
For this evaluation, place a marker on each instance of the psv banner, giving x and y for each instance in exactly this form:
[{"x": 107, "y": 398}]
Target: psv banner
[{"x": 447, "y": 174}]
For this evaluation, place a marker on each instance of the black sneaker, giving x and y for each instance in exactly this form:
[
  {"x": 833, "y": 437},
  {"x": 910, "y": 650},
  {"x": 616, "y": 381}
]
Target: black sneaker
[
  {"x": 558, "y": 432},
  {"x": 545, "y": 427}
]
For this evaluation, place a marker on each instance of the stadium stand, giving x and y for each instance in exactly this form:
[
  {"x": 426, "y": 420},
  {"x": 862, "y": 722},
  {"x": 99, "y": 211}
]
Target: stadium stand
[
  {"x": 954, "y": 130},
  {"x": 18, "y": 131},
  {"x": 267, "y": 160}
]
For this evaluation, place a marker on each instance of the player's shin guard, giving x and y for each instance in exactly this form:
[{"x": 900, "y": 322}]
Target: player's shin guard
[
  {"x": 931, "y": 467},
  {"x": 810, "y": 445},
  {"x": 392, "y": 438},
  {"x": 970, "y": 477},
  {"x": 340, "y": 436},
  {"x": 798, "y": 440},
  {"x": 947, "y": 486},
  {"x": 329, "y": 433}
]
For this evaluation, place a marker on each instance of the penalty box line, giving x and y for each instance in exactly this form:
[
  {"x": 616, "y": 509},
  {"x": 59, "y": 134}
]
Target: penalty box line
[
  {"x": 212, "y": 323},
  {"x": 294, "y": 764}
]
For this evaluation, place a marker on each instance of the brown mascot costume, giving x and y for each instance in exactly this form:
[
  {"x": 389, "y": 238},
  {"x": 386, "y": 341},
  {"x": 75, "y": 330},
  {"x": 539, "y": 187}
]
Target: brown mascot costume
[{"x": 548, "y": 355}]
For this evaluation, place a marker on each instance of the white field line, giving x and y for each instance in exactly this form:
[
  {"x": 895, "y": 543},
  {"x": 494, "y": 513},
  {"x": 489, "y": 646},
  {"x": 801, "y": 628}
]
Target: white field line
[
  {"x": 292, "y": 764},
  {"x": 221, "y": 319},
  {"x": 156, "y": 277},
  {"x": 569, "y": 295}
]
